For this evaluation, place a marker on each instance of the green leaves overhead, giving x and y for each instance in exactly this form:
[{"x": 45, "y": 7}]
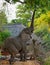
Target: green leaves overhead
[
  {"x": 23, "y": 14},
  {"x": 14, "y": 1},
  {"x": 33, "y": 3}
]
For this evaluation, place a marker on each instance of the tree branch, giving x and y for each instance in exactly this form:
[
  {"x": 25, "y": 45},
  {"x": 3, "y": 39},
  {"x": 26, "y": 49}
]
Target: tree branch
[
  {"x": 32, "y": 22},
  {"x": 17, "y": 1},
  {"x": 21, "y": 2}
]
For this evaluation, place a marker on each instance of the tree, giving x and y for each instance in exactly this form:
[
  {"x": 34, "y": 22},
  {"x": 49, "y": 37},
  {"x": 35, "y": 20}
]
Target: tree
[
  {"x": 42, "y": 29},
  {"x": 23, "y": 14},
  {"x": 3, "y": 18},
  {"x": 33, "y": 5}
]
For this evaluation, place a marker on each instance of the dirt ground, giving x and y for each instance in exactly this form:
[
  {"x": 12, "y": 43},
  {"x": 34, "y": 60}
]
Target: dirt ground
[{"x": 29, "y": 62}]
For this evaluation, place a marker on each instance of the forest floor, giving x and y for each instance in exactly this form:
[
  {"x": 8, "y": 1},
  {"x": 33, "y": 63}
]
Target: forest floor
[{"x": 29, "y": 62}]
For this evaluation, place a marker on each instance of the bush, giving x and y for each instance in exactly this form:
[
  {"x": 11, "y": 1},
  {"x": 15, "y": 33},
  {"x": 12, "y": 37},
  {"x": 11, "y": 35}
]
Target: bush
[
  {"x": 47, "y": 61},
  {"x": 3, "y": 36}
]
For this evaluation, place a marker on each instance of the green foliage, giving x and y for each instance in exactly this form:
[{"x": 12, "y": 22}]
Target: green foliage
[
  {"x": 3, "y": 18},
  {"x": 3, "y": 36},
  {"x": 32, "y": 3},
  {"x": 23, "y": 14},
  {"x": 25, "y": 10},
  {"x": 19, "y": 21},
  {"x": 13, "y": 21},
  {"x": 42, "y": 28},
  {"x": 47, "y": 61}
]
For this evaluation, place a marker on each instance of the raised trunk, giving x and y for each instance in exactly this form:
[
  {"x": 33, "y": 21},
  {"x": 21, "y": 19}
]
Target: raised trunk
[{"x": 32, "y": 22}]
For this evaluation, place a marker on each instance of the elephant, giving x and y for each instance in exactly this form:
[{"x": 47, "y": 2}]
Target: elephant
[{"x": 17, "y": 44}]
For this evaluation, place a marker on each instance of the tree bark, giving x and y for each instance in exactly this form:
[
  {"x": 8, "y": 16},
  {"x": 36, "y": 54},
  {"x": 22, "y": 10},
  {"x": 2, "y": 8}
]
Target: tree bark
[{"x": 32, "y": 22}]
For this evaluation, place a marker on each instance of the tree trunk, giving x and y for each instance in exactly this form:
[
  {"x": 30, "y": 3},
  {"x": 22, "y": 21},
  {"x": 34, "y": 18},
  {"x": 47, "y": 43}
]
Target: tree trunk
[{"x": 32, "y": 22}]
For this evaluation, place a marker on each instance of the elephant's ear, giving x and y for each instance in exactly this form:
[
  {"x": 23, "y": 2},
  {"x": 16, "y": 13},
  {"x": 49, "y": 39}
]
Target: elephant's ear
[{"x": 32, "y": 22}]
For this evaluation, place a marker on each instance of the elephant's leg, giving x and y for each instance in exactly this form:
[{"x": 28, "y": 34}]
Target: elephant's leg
[
  {"x": 25, "y": 54},
  {"x": 21, "y": 56},
  {"x": 11, "y": 60}
]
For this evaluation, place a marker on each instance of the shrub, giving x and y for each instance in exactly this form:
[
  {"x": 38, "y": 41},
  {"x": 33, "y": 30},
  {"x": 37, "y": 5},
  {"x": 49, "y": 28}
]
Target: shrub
[
  {"x": 3, "y": 36},
  {"x": 47, "y": 61}
]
